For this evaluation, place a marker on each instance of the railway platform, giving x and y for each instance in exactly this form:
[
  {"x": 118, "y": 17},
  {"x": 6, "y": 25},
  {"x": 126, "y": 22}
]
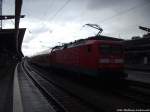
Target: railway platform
[
  {"x": 145, "y": 68},
  {"x": 32, "y": 89},
  {"x": 32, "y": 93},
  {"x": 140, "y": 76},
  {"x": 104, "y": 99},
  {"x": 6, "y": 88},
  {"x": 27, "y": 97}
]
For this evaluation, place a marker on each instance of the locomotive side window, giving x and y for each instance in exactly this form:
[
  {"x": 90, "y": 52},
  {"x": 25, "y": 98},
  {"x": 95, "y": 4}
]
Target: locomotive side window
[
  {"x": 89, "y": 48},
  {"x": 117, "y": 49},
  {"x": 105, "y": 49},
  {"x": 111, "y": 49}
]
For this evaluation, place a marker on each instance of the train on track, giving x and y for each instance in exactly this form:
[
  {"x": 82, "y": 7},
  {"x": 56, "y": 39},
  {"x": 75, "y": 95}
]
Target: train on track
[{"x": 97, "y": 56}]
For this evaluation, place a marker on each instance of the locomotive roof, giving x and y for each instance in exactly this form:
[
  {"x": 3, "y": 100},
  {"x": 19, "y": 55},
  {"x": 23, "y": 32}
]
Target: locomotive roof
[
  {"x": 84, "y": 41},
  {"x": 102, "y": 37}
]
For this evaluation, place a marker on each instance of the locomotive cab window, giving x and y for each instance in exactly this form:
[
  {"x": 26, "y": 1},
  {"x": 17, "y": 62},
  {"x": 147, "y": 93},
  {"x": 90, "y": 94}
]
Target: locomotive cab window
[
  {"x": 105, "y": 49},
  {"x": 111, "y": 49},
  {"x": 117, "y": 49},
  {"x": 89, "y": 48}
]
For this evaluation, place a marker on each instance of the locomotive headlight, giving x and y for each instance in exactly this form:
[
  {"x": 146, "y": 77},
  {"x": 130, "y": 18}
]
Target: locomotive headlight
[
  {"x": 104, "y": 60},
  {"x": 119, "y": 61}
]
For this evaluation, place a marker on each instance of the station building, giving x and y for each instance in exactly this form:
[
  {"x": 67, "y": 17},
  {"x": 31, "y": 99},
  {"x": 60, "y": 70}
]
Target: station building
[{"x": 137, "y": 51}]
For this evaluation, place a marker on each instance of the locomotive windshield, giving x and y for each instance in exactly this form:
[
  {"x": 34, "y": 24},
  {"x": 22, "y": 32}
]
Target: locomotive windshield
[
  {"x": 111, "y": 49},
  {"x": 117, "y": 49},
  {"x": 105, "y": 49}
]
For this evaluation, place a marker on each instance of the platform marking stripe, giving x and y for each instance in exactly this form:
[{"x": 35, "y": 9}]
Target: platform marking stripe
[{"x": 17, "y": 100}]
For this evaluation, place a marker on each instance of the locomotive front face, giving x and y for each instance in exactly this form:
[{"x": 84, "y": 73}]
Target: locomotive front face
[{"x": 111, "y": 56}]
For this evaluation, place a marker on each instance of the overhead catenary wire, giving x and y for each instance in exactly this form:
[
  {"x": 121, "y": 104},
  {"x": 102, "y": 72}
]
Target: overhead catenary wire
[
  {"x": 60, "y": 9},
  {"x": 57, "y": 12},
  {"x": 50, "y": 4},
  {"x": 123, "y": 12}
]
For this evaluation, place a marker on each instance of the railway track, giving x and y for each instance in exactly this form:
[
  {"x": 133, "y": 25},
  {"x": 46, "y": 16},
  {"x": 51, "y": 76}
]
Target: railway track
[
  {"x": 134, "y": 90},
  {"x": 137, "y": 91},
  {"x": 129, "y": 93},
  {"x": 61, "y": 100},
  {"x": 138, "y": 84}
]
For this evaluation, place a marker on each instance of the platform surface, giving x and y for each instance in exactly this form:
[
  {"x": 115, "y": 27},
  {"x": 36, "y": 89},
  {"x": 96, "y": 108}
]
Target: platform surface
[
  {"x": 32, "y": 99},
  {"x": 6, "y": 88},
  {"x": 140, "y": 76}
]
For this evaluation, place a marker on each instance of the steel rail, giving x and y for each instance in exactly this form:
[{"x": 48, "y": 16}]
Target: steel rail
[
  {"x": 52, "y": 100},
  {"x": 17, "y": 100},
  {"x": 138, "y": 84},
  {"x": 88, "y": 104},
  {"x": 130, "y": 93},
  {"x": 70, "y": 96}
]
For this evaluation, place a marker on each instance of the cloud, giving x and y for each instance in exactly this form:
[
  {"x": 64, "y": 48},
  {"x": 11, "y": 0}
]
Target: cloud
[{"x": 113, "y": 4}]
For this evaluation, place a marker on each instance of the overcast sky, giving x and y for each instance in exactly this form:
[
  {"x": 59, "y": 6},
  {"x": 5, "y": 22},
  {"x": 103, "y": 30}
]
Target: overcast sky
[{"x": 51, "y": 22}]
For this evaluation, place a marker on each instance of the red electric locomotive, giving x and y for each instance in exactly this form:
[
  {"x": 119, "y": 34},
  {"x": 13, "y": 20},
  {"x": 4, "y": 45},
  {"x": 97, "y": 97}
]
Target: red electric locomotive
[{"x": 97, "y": 56}]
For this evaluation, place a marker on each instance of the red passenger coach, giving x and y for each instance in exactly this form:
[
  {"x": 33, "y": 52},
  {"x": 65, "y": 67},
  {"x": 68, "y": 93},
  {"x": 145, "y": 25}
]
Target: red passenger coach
[{"x": 97, "y": 56}]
